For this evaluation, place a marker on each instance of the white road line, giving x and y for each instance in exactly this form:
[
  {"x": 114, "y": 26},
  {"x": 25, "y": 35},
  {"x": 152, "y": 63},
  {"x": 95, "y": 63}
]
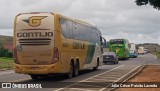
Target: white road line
[
  {"x": 4, "y": 73},
  {"x": 111, "y": 74},
  {"x": 23, "y": 79},
  {"x": 127, "y": 73},
  {"x": 87, "y": 78},
  {"x": 100, "y": 79},
  {"x": 103, "y": 77},
  {"x": 81, "y": 89},
  {"x": 155, "y": 57},
  {"x": 102, "y": 73},
  {"x": 88, "y": 85},
  {"x": 122, "y": 77}
]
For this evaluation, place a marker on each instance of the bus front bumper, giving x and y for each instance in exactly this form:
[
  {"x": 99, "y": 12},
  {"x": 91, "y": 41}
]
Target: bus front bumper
[{"x": 37, "y": 69}]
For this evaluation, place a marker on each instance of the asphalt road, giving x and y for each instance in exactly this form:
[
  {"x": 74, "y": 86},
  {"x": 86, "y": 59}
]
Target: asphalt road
[{"x": 61, "y": 81}]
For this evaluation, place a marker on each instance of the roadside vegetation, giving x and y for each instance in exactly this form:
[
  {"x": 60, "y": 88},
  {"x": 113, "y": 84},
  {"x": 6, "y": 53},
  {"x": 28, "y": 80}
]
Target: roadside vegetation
[
  {"x": 6, "y": 63},
  {"x": 6, "y": 59},
  {"x": 157, "y": 54}
]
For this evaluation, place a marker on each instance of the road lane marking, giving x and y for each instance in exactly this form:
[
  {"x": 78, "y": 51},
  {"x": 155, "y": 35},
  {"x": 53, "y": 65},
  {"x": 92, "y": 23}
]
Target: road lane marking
[
  {"x": 102, "y": 73},
  {"x": 19, "y": 80},
  {"x": 127, "y": 73},
  {"x": 155, "y": 57},
  {"x": 4, "y": 73},
  {"x": 107, "y": 77},
  {"x": 88, "y": 78},
  {"x": 88, "y": 85},
  {"x": 81, "y": 89},
  {"x": 98, "y": 80},
  {"x": 121, "y": 77}
]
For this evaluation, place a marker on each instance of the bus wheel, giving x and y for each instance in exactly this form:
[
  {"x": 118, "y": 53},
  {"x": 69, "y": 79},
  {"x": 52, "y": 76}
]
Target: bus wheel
[
  {"x": 76, "y": 69},
  {"x": 96, "y": 68},
  {"x": 70, "y": 73},
  {"x": 34, "y": 77}
]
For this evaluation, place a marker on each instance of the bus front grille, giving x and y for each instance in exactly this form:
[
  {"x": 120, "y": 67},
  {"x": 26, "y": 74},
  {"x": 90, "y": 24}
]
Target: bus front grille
[{"x": 35, "y": 41}]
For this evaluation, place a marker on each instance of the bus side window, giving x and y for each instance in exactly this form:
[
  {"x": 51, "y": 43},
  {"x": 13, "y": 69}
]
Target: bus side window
[
  {"x": 66, "y": 28},
  {"x": 76, "y": 33},
  {"x": 85, "y": 33},
  {"x": 81, "y": 29},
  {"x": 63, "y": 24},
  {"x": 94, "y": 36},
  {"x": 70, "y": 29},
  {"x": 89, "y": 34},
  {"x": 99, "y": 37}
]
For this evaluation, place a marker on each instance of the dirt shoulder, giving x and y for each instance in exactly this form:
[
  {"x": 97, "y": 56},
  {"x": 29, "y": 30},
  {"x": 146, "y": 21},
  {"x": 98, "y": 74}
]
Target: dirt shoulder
[{"x": 150, "y": 73}]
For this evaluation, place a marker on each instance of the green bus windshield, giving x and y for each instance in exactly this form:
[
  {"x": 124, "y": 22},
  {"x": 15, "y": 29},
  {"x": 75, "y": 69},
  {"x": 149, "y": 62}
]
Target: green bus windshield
[{"x": 116, "y": 41}]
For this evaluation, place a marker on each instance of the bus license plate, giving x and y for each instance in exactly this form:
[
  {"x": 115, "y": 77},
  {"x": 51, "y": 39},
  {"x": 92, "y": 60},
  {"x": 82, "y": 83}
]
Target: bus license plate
[{"x": 34, "y": 68}]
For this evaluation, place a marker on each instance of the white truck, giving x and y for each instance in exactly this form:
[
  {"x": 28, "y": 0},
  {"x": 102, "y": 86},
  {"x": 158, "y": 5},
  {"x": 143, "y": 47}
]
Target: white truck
[
  {"x": 141, "y": 50},
  {"x": 133, "y": 50}
]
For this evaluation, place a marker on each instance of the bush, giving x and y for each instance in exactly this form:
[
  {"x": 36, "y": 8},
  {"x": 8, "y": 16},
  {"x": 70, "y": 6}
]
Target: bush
[
  {"x": 157, "y": 54},
  {"x": 10, "y": 54},
  {"x": 5, "y": 53}
]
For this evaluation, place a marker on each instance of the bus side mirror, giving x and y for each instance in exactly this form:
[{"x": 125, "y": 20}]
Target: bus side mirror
[{"x": 103, "y": 43}]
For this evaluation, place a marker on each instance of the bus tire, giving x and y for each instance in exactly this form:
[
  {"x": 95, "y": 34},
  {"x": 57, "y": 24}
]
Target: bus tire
[
  {"x": 76, "y": 69},
  {"x": 70, "y": 73},
  {"x": 34, "y": 77},
  {"x": 96, "y": 68}
]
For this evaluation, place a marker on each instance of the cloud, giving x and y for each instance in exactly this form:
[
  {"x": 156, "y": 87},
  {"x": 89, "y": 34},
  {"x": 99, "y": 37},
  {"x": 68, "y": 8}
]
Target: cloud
[
  {"x": 113, "y": 17},
  {"x": 133, "y": 38}
]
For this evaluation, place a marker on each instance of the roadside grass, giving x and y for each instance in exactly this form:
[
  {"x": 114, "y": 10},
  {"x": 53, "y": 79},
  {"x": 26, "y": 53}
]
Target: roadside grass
[
  {"x": 6, "y": 63},
  {"x": 157, "y": 54}
]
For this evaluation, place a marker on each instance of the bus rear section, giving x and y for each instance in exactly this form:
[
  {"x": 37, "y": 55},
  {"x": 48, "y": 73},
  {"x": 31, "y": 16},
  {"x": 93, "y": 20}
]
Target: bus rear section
[
  {"x": 34, "y": 50},
  {"x": 119, "y": 47},
  {"x": 133, "y": 50}
]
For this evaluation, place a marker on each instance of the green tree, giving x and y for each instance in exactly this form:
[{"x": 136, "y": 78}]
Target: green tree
[
  {"x": 10, "y": 54},
  {"x": 3, "y": 52},
  {"x": 154, "y": 3},
  {"x": 0, "y": 44}
]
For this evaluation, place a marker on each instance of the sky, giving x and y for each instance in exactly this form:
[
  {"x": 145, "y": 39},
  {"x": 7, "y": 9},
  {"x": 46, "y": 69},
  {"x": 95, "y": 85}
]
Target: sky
[{"x": 114, "y": 18}]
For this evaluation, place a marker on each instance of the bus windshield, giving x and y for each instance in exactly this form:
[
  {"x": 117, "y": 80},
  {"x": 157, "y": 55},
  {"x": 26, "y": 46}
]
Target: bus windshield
[{"x": 117, "y": 41}]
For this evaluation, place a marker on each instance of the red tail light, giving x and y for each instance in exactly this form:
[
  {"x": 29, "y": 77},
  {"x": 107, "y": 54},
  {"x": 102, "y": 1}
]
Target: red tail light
[
  {"x": 55, "y": 56},
  {"x": 15, "y": 56}
]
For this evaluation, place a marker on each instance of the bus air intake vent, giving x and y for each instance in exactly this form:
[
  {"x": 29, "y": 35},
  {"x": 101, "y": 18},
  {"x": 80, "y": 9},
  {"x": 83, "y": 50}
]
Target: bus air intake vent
[{"x": 35, "y": 41}]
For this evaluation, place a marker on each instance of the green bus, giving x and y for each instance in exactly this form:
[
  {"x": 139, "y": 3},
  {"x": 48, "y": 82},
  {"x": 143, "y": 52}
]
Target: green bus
[{"x": 120, "y": 47}]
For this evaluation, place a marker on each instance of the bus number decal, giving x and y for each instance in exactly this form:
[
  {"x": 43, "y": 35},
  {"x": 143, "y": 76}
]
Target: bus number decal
[
  {"x": 65, "y": 44},
  {"x": 78, "y": 45}
]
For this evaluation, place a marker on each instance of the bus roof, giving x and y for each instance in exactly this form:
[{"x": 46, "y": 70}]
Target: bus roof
[
  {"x": 72, "y": 19},
  {"x": 77, "y": 20}
]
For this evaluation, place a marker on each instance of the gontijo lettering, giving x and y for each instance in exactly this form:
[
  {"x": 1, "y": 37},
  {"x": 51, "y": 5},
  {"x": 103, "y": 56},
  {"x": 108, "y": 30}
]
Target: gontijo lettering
[{"x": 35, "y": 34}]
